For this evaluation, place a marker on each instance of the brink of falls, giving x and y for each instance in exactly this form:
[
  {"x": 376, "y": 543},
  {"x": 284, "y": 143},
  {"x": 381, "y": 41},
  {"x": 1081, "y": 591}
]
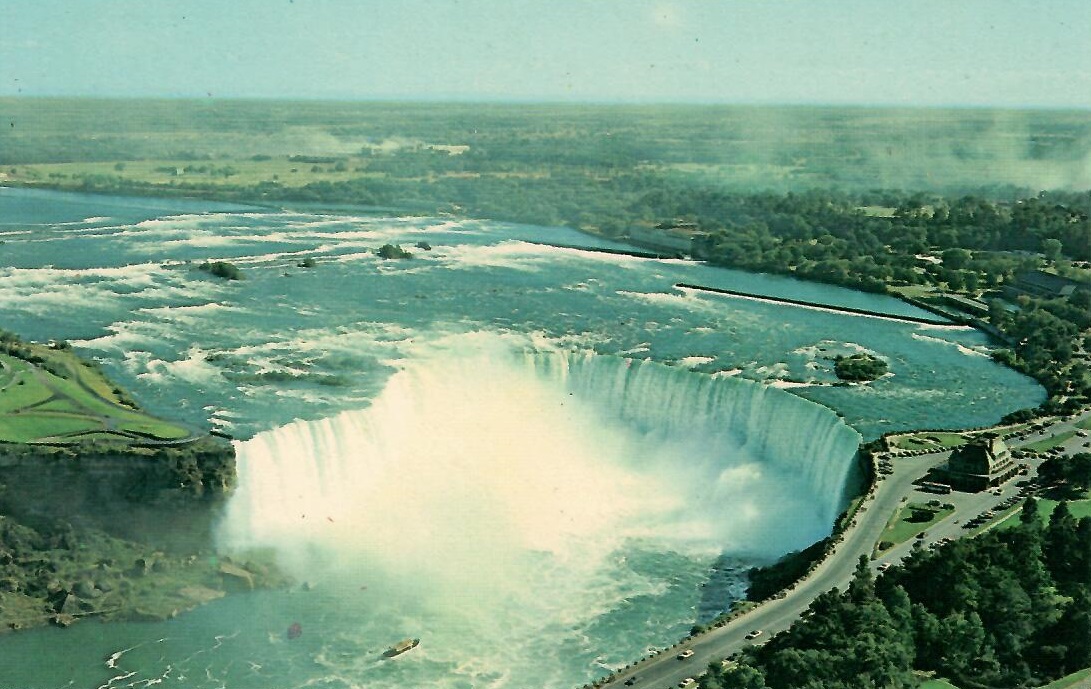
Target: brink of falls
[{"x": 499, "y": 497}]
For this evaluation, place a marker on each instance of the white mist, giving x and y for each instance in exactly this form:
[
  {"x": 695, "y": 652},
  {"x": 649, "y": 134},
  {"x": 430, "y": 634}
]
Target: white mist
[{"x": 495, "y": 497}]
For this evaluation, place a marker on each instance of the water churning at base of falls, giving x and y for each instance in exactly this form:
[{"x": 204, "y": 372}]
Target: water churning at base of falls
[{"x": 501, "y": 496}]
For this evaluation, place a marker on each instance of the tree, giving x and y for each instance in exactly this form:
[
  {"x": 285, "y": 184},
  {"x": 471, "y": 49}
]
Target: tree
[
  {"x": 1028, "y": 515},
  {"x": 1078, "y": 470},
  {"x": 1074, "y": 631},
  {"x": 955, "y": 259},
  {"x": 862, "y": 587},
  {"x": 1051, "y": 249},
  {"x": 998, "y": 313},
  {"x": 741, "y": 676},
  {"x": 1061, "y": 547},
  {"x": 1074, "y": 471},
  {"x": 966, "y": 653}
]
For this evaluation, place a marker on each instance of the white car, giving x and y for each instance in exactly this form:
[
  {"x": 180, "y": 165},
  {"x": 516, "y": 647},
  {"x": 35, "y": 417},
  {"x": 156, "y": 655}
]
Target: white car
[
  {"x": 685, "y": 654},
  {"x": 753, "y": 635}
]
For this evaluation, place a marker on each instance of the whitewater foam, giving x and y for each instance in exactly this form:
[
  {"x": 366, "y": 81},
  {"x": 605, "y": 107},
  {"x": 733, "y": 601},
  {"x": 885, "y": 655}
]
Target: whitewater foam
[{"x": 506, "y": 490}]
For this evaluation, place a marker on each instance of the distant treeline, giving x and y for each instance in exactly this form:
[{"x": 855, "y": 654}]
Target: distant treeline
[{"x": 743, "y": 148}]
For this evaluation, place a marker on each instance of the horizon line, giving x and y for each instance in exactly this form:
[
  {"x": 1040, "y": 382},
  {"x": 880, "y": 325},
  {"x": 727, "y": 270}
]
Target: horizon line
[{"x": 544, "y": 100}]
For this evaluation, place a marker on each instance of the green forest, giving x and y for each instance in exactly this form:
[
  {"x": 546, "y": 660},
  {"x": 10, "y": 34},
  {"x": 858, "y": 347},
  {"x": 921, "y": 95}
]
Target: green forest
[{"x": 1010, "y": 608}]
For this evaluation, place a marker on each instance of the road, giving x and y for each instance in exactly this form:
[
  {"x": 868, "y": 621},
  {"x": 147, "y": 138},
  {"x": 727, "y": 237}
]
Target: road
[{"x": 667, "y": 670}]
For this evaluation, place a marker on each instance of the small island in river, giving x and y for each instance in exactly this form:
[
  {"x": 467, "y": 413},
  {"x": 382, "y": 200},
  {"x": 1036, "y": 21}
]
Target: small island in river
[{"x": 859, "y": 367}]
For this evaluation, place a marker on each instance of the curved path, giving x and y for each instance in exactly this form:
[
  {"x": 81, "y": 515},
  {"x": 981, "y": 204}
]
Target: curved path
[
  {"x": 666, "y": 670},
  {"x": 109, "y": 423}
]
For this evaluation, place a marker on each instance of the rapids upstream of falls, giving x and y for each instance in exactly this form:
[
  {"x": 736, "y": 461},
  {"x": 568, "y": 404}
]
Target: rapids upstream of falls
[{"x": 529, "y": 457}]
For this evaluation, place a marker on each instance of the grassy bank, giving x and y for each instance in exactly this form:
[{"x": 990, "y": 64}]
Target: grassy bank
[
  {"x": 49, "y": 395},
  {"x": 104, "y": 509}
]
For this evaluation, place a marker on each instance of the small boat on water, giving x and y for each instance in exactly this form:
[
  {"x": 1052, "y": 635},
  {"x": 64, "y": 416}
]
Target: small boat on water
[{"x": 400, "y": 647}]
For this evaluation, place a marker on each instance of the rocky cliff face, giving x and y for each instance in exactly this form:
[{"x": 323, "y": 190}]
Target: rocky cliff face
[
  {"x": 93, "y": 479},
  {"x": 114, "y": 532}
]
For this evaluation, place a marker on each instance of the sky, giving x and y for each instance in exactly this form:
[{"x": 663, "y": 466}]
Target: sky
[{"x": 1010, "y": 53}]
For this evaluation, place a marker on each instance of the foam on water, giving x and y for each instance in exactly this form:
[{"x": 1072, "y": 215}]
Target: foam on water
[
  {"x": 505, "y": 491},
  {"x": 560, "y": 508}
]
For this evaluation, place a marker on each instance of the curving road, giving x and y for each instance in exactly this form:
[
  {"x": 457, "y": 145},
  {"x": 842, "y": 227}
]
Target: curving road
[{"x": 666, "y": 670}]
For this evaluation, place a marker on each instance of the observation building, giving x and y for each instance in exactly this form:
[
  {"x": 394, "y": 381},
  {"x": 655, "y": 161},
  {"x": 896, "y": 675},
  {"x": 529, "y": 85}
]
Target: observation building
[{"x": 978, "y": 465}]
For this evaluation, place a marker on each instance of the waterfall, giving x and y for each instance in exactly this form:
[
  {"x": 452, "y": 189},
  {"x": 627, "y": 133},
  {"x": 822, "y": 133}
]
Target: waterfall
[
  {"x": 517, "y": 505},
  {"x": 732, "y": 417},
  {"x": 485, "y": 447}
]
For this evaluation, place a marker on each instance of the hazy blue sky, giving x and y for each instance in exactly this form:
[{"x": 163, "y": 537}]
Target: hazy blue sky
[{"x": 963, "y": 52}]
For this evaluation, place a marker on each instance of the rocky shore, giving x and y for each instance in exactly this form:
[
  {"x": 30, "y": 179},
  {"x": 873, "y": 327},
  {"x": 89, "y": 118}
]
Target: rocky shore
[{"x": 114, "y": 532}]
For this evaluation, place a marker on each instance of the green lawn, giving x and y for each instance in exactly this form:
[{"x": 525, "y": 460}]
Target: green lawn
[
  {"x": 19, "y": 396},
  {"x": 59, "y": 404},
  {"x": 1068, "y": 680},
  {"x": 1085, "y": 424},
  {"x": 20, "y": 389},
  {"x": 7, "y": 374},
  {"x": 929, "y": 441},
  {"x": 900, "y": 529},
  {"x": 97, "y": 383},
  {"x": 1078, "y": 508},
  {"x": 915, "y": 291},
  {"x": 68, "y": 399},
  {"x": 27, "y": 428},
  {"x": 1049, "y": 443},
  {"x": 155, "y": 428}
]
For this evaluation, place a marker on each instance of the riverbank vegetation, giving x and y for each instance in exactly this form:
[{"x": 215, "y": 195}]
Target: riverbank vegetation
[
  {"x": 1010, "y": 608},
  {"x": 61, "y": 572}
]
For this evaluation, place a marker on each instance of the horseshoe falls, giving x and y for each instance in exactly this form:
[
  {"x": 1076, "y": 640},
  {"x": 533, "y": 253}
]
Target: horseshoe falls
[
  {"x": 528, "y": 457},
  {"x": 515, "y": 506}
]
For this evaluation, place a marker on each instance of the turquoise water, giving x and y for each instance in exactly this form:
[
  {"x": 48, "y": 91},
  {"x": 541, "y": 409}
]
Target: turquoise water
[
  {"x": 128, "y": 292},
  {"x": 508, "y": 477}
]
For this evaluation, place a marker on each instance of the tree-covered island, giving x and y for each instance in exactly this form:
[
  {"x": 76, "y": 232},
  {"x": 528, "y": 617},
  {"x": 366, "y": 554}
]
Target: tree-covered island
[{"x": 859, "y": 367}]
